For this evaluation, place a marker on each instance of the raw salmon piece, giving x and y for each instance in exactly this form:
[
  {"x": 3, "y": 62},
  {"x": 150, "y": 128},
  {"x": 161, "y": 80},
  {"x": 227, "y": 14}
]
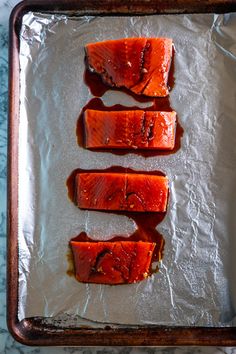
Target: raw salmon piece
[
  {"x": 139, "y": 64},
  {"x": 118, "y": 61},
  {"x": 130, "y": 129},
  {"x": 102, "y": 191},
  {"x": 157, "y": 62},
  {"x": 121, "y": 191},
  {"x": 146, "y": 193},
  {"x": 112, "y": 262}
]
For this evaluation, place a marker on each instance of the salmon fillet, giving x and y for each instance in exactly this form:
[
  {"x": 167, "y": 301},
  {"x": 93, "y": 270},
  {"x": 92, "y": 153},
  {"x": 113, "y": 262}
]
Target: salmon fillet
[
  {"x": 112, "y": 262},
  {"x": 129, "y": 129},
  {"x": 121, "y": 191},
  {"x": 139, "y": 64}
]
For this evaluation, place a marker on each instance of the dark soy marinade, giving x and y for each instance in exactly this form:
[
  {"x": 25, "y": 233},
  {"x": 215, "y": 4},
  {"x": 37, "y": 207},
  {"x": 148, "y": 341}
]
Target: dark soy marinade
[
  {"x": 146, "y": 222},
  {"x": 70, "y": 260},
  {"x": 171, "y": 77}
]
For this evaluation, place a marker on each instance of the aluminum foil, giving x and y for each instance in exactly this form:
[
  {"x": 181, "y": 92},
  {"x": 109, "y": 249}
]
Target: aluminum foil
[{"x": 196, "y": 284}]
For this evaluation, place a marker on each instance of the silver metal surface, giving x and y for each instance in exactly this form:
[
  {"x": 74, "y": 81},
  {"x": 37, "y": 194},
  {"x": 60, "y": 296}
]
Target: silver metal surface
[{"x": 196, "y": 282}]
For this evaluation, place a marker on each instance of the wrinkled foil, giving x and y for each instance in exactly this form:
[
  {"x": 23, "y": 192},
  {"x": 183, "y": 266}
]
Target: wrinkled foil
[{"x": 196, "y": 284}]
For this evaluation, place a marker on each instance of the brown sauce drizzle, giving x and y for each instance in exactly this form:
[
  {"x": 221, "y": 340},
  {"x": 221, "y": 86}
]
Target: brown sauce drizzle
[
  {"x": 171, "y": 77},
  {"x": 70, "y": 260},
  {"x": 146, "y": 222}
]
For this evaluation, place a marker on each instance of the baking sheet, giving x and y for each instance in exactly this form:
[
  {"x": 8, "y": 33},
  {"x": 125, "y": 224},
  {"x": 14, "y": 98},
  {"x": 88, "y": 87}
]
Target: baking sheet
[{"x": 196, "y": 282}]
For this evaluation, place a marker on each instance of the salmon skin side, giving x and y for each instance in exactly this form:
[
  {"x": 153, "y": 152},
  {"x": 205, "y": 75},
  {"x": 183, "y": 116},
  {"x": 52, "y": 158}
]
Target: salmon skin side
[
  {"x": 137, "y": 129},
  {"x": 121, "y": 191},
  {"x": 140, "y": 64},
  {"x": 112, "y": 262}
]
